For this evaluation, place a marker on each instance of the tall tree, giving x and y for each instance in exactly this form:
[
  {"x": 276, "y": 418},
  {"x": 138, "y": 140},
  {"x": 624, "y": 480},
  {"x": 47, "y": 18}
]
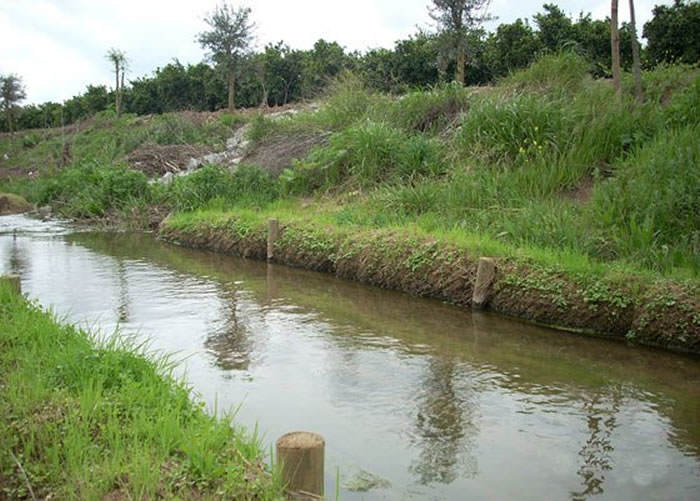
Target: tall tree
[
  {"x": 118, "y": 59},
  {"x": 11, "y": 94},
  {"x": 228, "y": 41},
  {"x": 615, "y": 47},
  {"x": 455, "y": 19},
  {"x": 636, "y": 61}
]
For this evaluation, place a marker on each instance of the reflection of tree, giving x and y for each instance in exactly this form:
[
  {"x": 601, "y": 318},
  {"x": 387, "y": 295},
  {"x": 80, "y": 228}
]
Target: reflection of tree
[
  {"x": 18, "y": 263},
  {"x": 597, "y": 450},
  {"x": 231, "y": 342},
  {"x": 123, "y": 308},
  {"x": 445, "y": 426}
]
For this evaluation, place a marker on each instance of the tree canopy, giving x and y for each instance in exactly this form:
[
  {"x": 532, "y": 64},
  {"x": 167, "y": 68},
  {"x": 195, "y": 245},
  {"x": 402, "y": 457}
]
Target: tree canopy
[
  {"x": 11, "y": 94},
  {"x": 227, "y": 40}
]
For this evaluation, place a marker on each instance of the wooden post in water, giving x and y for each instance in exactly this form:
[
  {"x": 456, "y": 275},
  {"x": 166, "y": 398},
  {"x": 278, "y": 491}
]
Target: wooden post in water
[
  {"x": 301, "y": 457},
  {"x": 273, "y": 233},
  {"x": 485, "y": 274},
  {"x": 14, "y": 282}
]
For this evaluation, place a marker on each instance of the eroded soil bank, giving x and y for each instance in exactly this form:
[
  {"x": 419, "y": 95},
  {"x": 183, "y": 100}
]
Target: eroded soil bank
[{"x": 659, "y": 313}]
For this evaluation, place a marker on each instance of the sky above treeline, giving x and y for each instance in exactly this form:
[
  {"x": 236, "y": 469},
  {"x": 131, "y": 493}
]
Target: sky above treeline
[{"x": 58, "y": 46}]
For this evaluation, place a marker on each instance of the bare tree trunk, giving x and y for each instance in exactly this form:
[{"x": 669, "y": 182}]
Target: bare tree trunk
[
  {"x": 121, "y": 89},
  {"x": 461, "y": 63},
  {"x": 231, "y": 91},
  {"x": 615, "y": 47},
  {"x": 117, "y": 101},
  {"x": 636, "y": 63}
]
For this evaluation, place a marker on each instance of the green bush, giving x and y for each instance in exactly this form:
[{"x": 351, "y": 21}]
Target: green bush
[
  {"x": 248, "y": 183},
  {"x": 650, "y": 211},
  {"x": 90, "y": 191},
  {"x": 564, "y": 72},
  {"x": 365, "y": 154},
  {"x": 519, "y": 129}
]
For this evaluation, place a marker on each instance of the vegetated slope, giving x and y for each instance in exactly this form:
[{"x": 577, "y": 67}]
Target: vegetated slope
[{"x": 549, "y": 167}]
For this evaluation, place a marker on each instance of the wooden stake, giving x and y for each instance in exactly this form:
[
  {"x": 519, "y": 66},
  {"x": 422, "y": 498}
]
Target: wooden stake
[
  {"x": 485, "y": 274},
  {"x": 301, "y": 456},
  {"x": 273, "y": 233}
]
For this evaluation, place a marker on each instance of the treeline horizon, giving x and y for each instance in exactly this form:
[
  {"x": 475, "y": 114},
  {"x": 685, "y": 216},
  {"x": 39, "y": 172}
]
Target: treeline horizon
[{"x": 279, "y": 75}]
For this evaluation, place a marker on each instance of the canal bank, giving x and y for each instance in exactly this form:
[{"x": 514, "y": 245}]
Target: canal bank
[{"x": 639, "y": 309}]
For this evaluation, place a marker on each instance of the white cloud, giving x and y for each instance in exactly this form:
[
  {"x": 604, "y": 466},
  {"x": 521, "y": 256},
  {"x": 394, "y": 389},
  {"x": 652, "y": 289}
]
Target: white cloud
[{"x": 58, "y": 46}]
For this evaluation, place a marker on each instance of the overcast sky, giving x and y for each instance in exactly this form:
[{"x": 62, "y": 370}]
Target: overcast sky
[{"x": 59, "y": 46}]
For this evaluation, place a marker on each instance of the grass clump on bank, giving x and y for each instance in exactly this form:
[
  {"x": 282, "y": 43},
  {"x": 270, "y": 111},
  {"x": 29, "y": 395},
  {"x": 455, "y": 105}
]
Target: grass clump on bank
[{"x": 85, "y": 419}]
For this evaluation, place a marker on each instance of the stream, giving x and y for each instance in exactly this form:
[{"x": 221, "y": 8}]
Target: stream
[{"x": 416, "y": 399}]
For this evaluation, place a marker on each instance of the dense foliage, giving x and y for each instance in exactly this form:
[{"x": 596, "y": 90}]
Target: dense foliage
[{"x": 278, "y": 74}]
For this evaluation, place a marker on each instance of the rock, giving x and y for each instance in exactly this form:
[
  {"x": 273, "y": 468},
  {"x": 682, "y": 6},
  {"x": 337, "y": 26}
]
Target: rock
[
  {"x": 13, "y": 204},
  {"x": 193, "y": 163},
  {"x": 214, "y": 158},
  {"x": 45, "y": 212},
  {"x": 364, "y": 481}
]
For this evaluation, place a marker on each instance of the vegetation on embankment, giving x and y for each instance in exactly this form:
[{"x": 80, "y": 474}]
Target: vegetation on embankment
[
  {"x": 596, "y": 300},
  {"x": 83, "y": 418},
  {"x": 594, "y": 193},
  {"x": 13, "y": 204}
]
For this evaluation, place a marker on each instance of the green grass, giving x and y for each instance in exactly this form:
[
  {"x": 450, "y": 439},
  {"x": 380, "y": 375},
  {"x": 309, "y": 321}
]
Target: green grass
[{"x": 83, "y": 417}]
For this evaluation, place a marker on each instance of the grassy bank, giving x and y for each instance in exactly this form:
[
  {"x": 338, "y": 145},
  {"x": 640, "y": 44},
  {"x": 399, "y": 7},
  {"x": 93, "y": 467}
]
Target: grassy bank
[
  {"x": 549, "y": 170},
  {"x": 83, "y": 418},
  {"x": 581, "y": 296}
]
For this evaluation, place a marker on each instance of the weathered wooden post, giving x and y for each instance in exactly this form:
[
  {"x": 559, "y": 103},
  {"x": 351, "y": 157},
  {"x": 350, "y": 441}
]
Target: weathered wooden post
[
  {"x": 485, "y": 274},
  {"x": 301, "y": 457},
  {"x": 273, "y": 233},
  {"x": 14, "y": 281}
]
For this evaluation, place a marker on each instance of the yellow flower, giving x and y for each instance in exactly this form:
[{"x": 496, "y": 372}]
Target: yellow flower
[{"x": 522, "y": 150}]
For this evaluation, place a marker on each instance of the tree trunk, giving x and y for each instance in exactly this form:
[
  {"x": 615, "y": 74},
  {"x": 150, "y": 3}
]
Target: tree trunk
[
  {"x": 636, "y": 63},
  {"x": 615, "y": 47},
  {"x": 231, "y": 91},
  {"x": 121, "y": 90},
  {"x": 461, "y": 63},
  {"x": 117, "y": 102}
]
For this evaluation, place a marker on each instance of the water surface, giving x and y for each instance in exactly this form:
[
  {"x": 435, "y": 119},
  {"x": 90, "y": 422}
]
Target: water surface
[{"x": 439, "y": 402}]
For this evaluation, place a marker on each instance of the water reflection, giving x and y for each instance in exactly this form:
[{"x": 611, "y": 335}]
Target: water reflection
[
  {"x": 600, "y": 412},
  {"x": 445, "y": 425},
  {"x": 230, "y": 341}
]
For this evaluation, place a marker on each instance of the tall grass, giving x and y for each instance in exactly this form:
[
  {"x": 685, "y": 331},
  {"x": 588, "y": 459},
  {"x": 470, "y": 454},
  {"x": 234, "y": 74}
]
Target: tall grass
[{"x": 85, "y": 418}]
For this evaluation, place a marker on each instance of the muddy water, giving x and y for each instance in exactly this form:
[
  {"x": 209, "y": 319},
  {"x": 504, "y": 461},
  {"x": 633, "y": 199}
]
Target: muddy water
[{"x": 422, "y": 399}]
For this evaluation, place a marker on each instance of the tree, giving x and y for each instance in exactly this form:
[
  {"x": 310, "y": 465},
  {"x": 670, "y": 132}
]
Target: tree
[
  {"x": 456, "y": 18},
  {"x": 12, "y": 93},
  {"x": 511, "y": 47},
  {"x": 615, "y": 46},
  {"x": 228, "y": 41},
  {"x": 636, "y": 62},
  {"x": 554, "y": 26},
  {"x": 118, "y": 59},
  {"x": 673, "y": 34}
]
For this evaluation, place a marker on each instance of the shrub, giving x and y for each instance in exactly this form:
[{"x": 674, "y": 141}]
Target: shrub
[{"x": 365, "y": 154}]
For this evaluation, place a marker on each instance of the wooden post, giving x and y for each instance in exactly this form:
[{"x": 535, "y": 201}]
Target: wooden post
[
  {"x": 485, "y": 274},
  {"x": 14, "y": 281},
  {"x": 301, "y": 456},
  {"x": 273, "y": 233}
]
